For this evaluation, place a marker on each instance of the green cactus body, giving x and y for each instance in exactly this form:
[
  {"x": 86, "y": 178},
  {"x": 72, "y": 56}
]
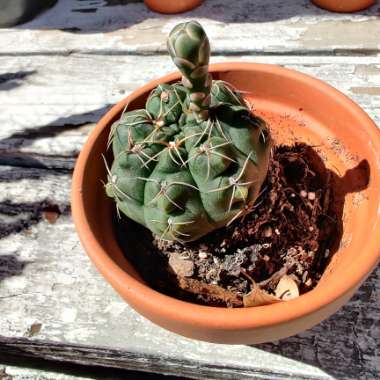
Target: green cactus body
[{"x": 195, "y": 158}]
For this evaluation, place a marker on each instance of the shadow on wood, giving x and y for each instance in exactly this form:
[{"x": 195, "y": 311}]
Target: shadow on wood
[
  {"x": 88, "y": 16},
  {"x": 9, "y": 81},
  {"x": 89, "y": 371},
  {"x": 10, "y": 174},
  {"x": 11, "y": 152},
  {"x": 10, "y": 266},
  {"x": 17, "y": 217},
  {"x": 56, "y": 127}
]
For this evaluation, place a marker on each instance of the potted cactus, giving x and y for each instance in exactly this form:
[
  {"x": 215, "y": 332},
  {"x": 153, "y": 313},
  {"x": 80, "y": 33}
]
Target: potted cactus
[{"x": 219, "y": 205}]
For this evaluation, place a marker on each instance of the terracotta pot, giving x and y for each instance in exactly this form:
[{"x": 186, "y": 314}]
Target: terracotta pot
[
  {"x": 172, "y": 6},
  {"x": 295, "y": 105},
  {"x": 344, "y": 6}
]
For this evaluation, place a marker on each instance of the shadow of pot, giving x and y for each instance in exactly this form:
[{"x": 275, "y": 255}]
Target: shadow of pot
[
  {"x": 298, "y": 108},
  {"x": 344, "y": 6},
  {"x": 15, "y": 12},
  {"x": 172, "y": 6}
]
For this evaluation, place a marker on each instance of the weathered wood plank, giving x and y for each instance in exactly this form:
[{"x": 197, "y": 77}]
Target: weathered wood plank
[
  {"x": 58, "y": 306},
  {"x": 273, "y": 27},
  {"x": 29, "y": 368},
  {"x": 48, "y": 105},
  {"x": 19, "y": 373}
]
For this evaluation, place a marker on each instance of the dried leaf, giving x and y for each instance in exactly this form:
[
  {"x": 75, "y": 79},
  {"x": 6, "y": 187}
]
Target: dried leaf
[
  {"x": 258, "y": 297},
  {"x": 215, "y": 292},
  {"x": 287, "y": 289},
  {"x": 34, "y": 329}
]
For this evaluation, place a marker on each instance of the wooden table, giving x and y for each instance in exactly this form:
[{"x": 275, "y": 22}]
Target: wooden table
[{"x": 58, "y": 75}]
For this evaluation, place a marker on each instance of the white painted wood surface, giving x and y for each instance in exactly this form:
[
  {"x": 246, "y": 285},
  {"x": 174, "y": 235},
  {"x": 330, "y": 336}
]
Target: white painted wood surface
[
  {"x": 258, "y": 26},
  {"x": 58, "y": 75},
  {"x": 50, "y": 103}
]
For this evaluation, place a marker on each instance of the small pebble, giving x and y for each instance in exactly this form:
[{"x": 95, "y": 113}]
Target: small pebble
[
  {"x": 202, "y": 255},
  {"x": 327, "y": 253},
  {"x": 304, "y": 276},
  {"x": 311, "y": 196},
  {"x": 311, "y": 229},
  {"x": 214, "y": 282},
  {"x": 266, "y": 258},
  {"x": 216, "y": 260},
  {"x": 266, "y": 245},
  {"x": 180, "y": 266},
  {"x": 308, "y": 282},
  {"x": 292, "y": 195},
  {"x": 277, "y": 231},
  {"x": 303, "y": 194}
]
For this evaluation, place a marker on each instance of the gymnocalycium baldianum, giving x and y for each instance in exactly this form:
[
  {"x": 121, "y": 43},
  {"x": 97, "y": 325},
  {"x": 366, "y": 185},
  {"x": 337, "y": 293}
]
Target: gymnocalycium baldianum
[{"x": 194, "y": 159}]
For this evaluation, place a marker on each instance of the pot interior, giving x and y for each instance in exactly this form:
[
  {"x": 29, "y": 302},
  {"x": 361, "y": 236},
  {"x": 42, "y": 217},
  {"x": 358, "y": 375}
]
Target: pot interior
[{"x": 297, "y": 110}]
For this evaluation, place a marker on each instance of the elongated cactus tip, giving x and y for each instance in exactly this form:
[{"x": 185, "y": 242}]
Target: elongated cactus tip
[
  {"x": 189, "y": 48},
  {"x": 194, "y": 159}
]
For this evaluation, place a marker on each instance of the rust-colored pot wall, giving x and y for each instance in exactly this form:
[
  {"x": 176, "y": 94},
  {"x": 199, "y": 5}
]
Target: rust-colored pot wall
[
  {"x": 298, "y": 108},
  {"x": 344, "y": 6},
  {"x": 172, "y": 6}
]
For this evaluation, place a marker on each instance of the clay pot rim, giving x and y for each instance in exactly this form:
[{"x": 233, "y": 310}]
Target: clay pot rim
[
  {"x": 164, "y": 7},
  {"x": 214, "y": 317},
  {"x": 350, "y": 6}
]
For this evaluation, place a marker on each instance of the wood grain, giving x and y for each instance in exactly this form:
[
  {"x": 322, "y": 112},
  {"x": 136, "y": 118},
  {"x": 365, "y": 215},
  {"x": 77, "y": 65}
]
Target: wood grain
[
  {"x": 49, "y": 104},
  {"x": 235, "y": 27}
]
